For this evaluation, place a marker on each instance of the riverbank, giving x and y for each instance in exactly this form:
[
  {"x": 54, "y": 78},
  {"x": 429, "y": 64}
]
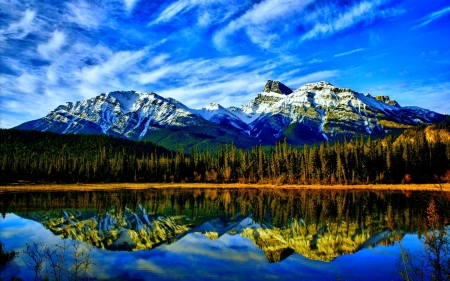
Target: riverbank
[{"x": 118, "y": 186}]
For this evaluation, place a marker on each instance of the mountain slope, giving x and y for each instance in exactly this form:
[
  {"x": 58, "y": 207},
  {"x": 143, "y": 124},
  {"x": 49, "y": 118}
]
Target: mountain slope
[
  {"x": 139, "y": 230},
  {"x": 321, "y": 111},
  {"x": 138, "y": 116},
  {"x": 312, "y": 113}
]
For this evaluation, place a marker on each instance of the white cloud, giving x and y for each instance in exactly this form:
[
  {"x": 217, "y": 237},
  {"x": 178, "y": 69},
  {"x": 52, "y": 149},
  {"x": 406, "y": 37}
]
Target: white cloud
[
  {"x": 52, "y": 47},
  {"x": 363, "y": 11},
  {"x": 268, "y": 21},
  {"x": 37, "y": 104},
  {"x": 261, "y": 21},
  {"x": 118, "y": 63},
  {"x": 129, "y": 4},
  {"x": 21, "y": 29},
  {"x": 235, "y": 90},
  {"x": 84, "y": 14},
  {"x": 27, "y": 83},
  {"x": 314, "y": 60},
  {"x": 433, "y": 16},
  {"x": 435, "y": 97},
  {"x": 349, "y": 52},
  {"x": 204, "y": 19},
  {"x": 171, "y": 11},
  {"x": 195, "y": 69},
  {"x": 153, "y": 76},
  {"x": 9, "y": 121},
  {"x": 288, "y": 75},
  {"x": 158, "y": 60},
  {"x": 198, "y": 82},
  {"x": 207, "y": 11}
]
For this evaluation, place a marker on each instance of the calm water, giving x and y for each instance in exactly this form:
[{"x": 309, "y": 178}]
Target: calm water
[{"x": 230, "y": 234}]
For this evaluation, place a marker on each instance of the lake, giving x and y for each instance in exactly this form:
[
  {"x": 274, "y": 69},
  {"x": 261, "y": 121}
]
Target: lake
[{"x": 203, "y": 234}]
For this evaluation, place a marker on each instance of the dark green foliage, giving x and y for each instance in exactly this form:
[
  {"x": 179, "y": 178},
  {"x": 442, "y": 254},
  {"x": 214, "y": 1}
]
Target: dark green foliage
[
  {"x": 44, "y": 156},
  {"x": 205, "y": 138},
  {"x": 411, "y": 157}
]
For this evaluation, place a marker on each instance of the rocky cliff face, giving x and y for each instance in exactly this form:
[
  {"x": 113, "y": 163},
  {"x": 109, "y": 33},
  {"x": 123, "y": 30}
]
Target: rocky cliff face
[
  {"x": 116, "y": 231},
  {"x": 276, "y": 87},
  {"x": 312, "y": 113},
  {"x": 129, "y": 114},
  {"x": 386, "y": 100}
]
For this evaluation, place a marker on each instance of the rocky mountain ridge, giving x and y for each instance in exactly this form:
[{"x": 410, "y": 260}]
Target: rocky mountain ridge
[
  {"x": 138, "y": 230},
  {"x": 312, "y": 113}
]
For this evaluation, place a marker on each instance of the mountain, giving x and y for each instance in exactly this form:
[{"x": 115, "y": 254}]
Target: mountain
[
  {"x": 115, "y": 230},
  {"x": 139, "y": 230},
  {"x": 312, "y": 113},
  {"x": 140, "y": 116}
]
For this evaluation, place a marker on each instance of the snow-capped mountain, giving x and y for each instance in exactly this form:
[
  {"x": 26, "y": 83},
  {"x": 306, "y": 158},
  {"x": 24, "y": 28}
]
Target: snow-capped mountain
[
  {"x": 314, "y": 112},
  {"x": 216, "y": 113},
  {"x": 130, "y": 114},
  {"x": 143, "y": 116},
  {"x": 138, "y": 230}
]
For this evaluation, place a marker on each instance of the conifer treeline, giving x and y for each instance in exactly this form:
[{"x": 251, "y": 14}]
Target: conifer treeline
[{"x": 414, "y": 158}]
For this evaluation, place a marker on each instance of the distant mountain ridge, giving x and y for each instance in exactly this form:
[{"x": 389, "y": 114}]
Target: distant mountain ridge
[
  {"x": 139, "y": 230},
  {"x": 312, "y": 113}
]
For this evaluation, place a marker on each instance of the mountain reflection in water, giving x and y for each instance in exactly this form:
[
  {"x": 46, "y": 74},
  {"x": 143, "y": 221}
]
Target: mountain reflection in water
[{"x": 317, "y": 224}]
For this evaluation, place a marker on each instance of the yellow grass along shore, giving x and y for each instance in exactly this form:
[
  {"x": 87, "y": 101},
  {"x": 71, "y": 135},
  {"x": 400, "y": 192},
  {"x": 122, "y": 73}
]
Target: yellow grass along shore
[{"x": 118, "y": 186}]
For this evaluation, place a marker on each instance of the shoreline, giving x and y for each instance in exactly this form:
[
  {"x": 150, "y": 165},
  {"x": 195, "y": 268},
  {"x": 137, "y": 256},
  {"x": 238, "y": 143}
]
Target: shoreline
[{"x": 142, "y": 186}]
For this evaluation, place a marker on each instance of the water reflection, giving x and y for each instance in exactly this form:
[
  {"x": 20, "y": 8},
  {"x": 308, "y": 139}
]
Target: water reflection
[{"x": 317, "y": 224}]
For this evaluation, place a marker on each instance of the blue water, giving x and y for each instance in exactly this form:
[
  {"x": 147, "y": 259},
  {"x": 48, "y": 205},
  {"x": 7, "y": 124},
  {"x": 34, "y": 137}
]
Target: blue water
[{"x": 196, "y": 257}]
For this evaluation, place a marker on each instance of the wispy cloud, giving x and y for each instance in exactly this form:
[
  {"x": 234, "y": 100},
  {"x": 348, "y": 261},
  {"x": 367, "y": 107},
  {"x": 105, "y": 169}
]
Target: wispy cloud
[
  {"x": 51, "y": 48},
  {"x": 108, "y": 72},
  {"x": 232, "y": 91},
  {"x": 84, "y": 14},
  {"x": 20, "y": 29},
  {"x": 171, "y": 11},
  {"x": 262, "y": 22},
  {"x": 349, "y": 52},
  {"x": 314, "y": 60},
  {"x": 129, "y": 4},
  {"x": 152, "y": 76},
  {"x": 312, "y": 77},
  {"x": 433, "y": 16},
  {"x": 27, "y": 83},
  {"x": 197, "y": 51},
  {"x": 418, "y": 94},
  {"x": 360, "y": 12},
  {"x": 272, "y": 21},
  {"x": 192, "y": 69},
  {"x": 207, "y": 12},
  {"x": 158, "y": 60}
]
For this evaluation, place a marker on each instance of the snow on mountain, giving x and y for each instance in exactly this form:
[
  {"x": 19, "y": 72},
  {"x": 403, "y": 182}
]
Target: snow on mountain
[
  {"x": 320, "y": 111},
  {"x": 314, "y": 112},
  {"x": 216, "y": 113},
  {"x": 211, "y": 110},
  {"x": 126, "y": 113},
  {"x": 131, "y": 230}
]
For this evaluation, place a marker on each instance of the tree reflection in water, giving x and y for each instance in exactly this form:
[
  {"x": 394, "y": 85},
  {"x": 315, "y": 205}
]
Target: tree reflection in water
[
  {"x": 318, "y": 224},
  {"x": 433, "y": 263}
]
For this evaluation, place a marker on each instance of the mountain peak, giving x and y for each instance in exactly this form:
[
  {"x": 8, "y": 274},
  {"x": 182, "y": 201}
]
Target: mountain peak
[
  {"x": 276, "y": 87},
  {"x": 313, "y": 113},
  {"x": 317, "y": 86},
  {"x": 387, "y": 100},
  {"x": 213, "y": 106}
]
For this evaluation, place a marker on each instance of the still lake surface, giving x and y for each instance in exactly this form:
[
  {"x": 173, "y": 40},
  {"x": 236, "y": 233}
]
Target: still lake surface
[{"x": 204, "y": 234}]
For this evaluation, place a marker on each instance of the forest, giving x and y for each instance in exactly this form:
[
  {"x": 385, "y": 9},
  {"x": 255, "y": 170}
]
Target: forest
[{"x": 418, "y": 155}]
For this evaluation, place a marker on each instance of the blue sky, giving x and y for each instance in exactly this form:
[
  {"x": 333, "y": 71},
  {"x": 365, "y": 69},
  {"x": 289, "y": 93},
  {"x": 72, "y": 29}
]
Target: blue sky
[{"x": 201, "y": 51}]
